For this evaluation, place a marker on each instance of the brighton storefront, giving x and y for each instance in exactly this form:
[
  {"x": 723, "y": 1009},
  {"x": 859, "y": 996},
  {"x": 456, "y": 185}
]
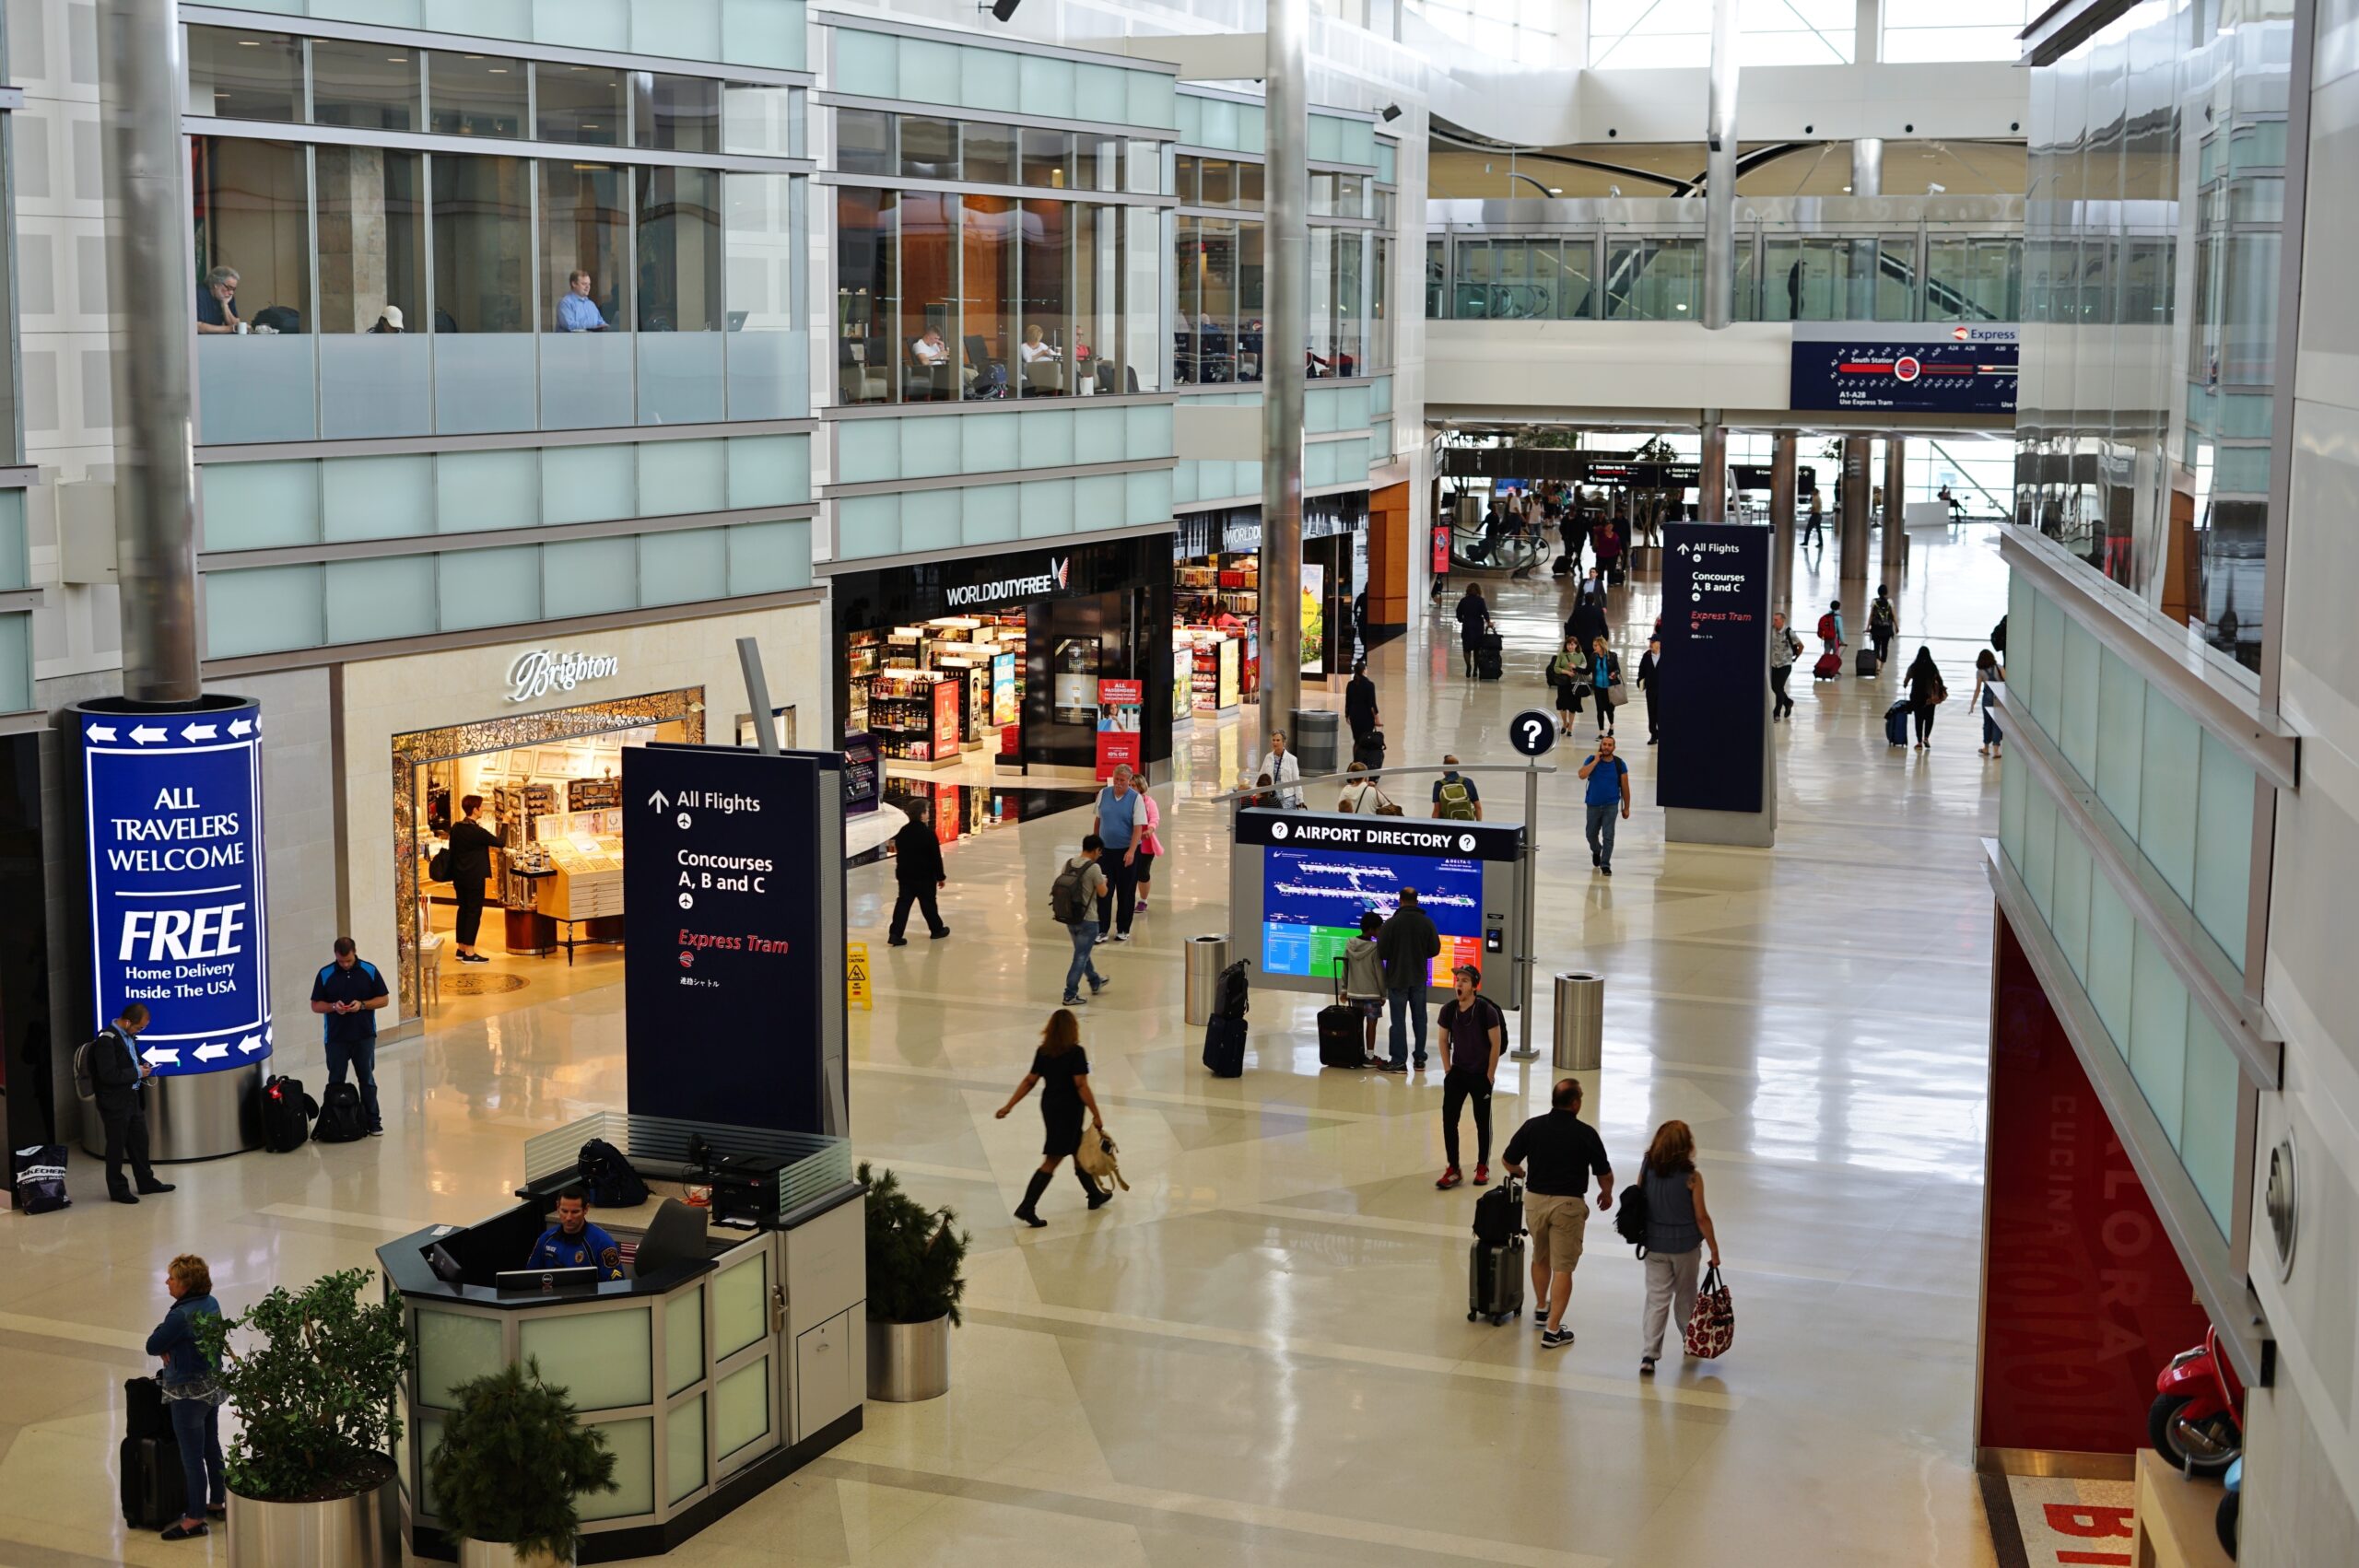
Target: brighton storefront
[
  {"x": 996, "y": 665},
  {"x": 536, "y": 731}
]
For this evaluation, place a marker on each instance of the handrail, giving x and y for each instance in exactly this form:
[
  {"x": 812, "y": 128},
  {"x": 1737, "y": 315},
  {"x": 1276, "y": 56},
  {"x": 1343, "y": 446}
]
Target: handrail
[{"x": 1345, "y": 777}]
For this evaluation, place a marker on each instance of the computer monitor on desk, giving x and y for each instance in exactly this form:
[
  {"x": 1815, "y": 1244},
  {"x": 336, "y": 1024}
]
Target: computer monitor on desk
[{"x": 544, "y": 1280}]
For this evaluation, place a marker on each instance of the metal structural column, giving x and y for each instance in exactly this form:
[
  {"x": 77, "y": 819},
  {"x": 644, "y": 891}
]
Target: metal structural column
[
  {"x": 1851, "y": 526},
  {"x": 1712, "y": 485},
  {"x": 1784, "y": 479},
  {"x": 1719, "y": 178},
  {"x": 1286, "y": 191},
  {"x": 1867, "y": 179},
  {"x": 154, "y": 497},
  {"x": 1894, "y": 554}
]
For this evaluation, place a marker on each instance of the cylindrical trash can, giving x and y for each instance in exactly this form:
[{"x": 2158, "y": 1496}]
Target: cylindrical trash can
[
  {"x": 1580, "y": 1022},
  {"x": 1207, "y": 956},
  {"x": 1317, "y": 737}
]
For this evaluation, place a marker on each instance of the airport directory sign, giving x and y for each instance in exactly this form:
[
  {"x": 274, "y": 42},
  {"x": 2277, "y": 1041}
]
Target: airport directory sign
[
  {"x": 1712, "y": 701},
  {"x": 1870, "y": 367},
  {"x": 172, "y": 820}
]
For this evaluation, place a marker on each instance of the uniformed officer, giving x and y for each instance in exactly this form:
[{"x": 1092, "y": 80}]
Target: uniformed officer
[{"x": 574, "y": 1242}]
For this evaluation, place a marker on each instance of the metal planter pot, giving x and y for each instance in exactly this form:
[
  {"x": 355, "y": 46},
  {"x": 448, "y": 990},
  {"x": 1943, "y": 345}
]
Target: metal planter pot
[
  {"x": 351, "y": 1532},
  {"x": 909, "y": 1361},
  {"x": 499, "y": 1554}
]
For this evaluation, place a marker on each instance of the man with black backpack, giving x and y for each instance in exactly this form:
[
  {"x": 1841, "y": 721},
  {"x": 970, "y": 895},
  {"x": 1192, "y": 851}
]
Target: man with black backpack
[
  {"x": 1555, "y": 1154},
  {"x": 109, "y": 1070},
  {"x": 1072, "y": 899},
  {"x": 347, "y": 994}
]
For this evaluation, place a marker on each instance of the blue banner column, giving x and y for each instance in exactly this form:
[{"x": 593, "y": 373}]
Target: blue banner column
[{"x": 179, "y": 910}]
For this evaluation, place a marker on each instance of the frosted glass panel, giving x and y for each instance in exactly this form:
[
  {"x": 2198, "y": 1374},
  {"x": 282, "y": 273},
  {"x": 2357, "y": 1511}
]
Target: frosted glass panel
[
  {"x": 483, "y": 382},
  {"x": 1097, "y": 503},
  {"x": 740, "y": 1305},
  {"x": 490, "y": 588},
  {"x": 762, "y": 32},
  {"x": 867, "y": 63},
  {"x": 2208, "y": 1146},
  {"x": 390, "y": 597},
  {"x": 684, "y": 1448},
  {"x": 263, "y": 610},
  {"x": 606, "y": 1359},
  {"x": 868, "y": 525},
  {"x": 2079, "y": 735},
  {"x": 2048, "y": 664},
  {"x": 2166, "y": 794},
  {"x": 929, "y": 71},
  {"x": 683, "y": 1340},
  {"x": 2122, "y": 737},
  {"x": 988, "y": 79},
  {"x": 989, "y": 514},
  {"x": 589, "y": 483},
  {"x": 927, "y": 449},
  {"x": 2020, "y": 656},
  {"x": 374, "y": 384},
  {"x": 583, "y": 24},
  {"x": 681, "y": 378},
  {"x": 450, "y": 1350},
  {"x": 683, "y": 477},
  {"x": 16, "y": 663},
  {"x": 930, "y": 520},
  {"x": 1045, "y": 506},
  {"x": 421, "y": 1436},
  {"x": 478, "y": 491},
  {"x": 769, "y": 374},
  {"x": 632, "y": 1443},
  {"x": 1047, "y": 86},
  {"x": 769, "y": 471},
  {"x": 1097, "y": 93},
  {"x": 1147, "y": 428},
  {"x": 741, "y": 1407},
  {"x": 769, "y": 557},
  {"x": 259, "y": 506},
  {"x": 868, "y": 451},
  {"x": 377, "y": 497},
  {"x": 2158, "y": 1033},
  {"x": 255, "y": 388},
  {"x": 1149, "y": 495},
  {"x": 2111, "y": 951},
  {"x": 679, "y": 568},
  {"x": 1098, "y": 435},
  {"x": 686, "y": 30},
  {"x": 589, "y": 577},
  {"x": 2039, "y": 864},
  {"x": 1046, "y": 440},
  {"x": 2011, "y": 816},
  {"x": 586, "y": 379},
  {"x": 2224, "y": 847},
  {"x": 2068, "y": 913}
]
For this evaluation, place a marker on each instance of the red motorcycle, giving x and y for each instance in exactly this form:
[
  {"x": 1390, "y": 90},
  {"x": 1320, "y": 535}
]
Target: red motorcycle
[{"x": 2195, "y": 1423}]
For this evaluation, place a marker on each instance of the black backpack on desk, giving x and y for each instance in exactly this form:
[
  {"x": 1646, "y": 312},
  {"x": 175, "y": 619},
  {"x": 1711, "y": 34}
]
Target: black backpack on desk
[
  {"x": 607, "y": 1173},
  {"x": 340, "y": 1118}
]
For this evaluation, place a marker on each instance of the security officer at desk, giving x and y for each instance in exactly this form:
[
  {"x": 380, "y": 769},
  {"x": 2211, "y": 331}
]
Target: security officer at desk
[{"x": 574, "y": 1242}]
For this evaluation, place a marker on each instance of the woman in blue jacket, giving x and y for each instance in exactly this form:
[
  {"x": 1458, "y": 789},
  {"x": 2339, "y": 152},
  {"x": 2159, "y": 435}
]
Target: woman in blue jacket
[{"x": 191, "y": 1395}]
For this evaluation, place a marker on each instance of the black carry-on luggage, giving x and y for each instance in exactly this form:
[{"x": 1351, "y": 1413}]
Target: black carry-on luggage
[
  {"x": 1225, "y": 1031},
  {"x": 1489, "y": 656},
  {"x": 1368, "y": 751},
  {"x": 154, "y": 1494},
  {"x": 1343, "y": 1037},
  {"x": 1495, "y": 1270},
  {"x": 1865, "y": 663},
  {"x": 1895, "y": 724},
  {"x": 287, "y": 1113}
]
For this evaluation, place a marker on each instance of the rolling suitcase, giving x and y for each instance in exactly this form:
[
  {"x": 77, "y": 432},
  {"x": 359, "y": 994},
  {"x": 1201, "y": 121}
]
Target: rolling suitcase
[
  {"x": 1829, "y": 666},
  {"x": 1495, "y": 1270},
  {"x": 1343, "y": 1030},
  {"x": 153, "y": 1491},
  {"x": 1489, "y": 656},
  {"x": 1895, "y": 723},
  {"x": 1224, "y": 1046},
  {"x": 287, "y": 1113},
  {"x": 1865, "y": 664},
  {"x": 1369, "y": 751}
]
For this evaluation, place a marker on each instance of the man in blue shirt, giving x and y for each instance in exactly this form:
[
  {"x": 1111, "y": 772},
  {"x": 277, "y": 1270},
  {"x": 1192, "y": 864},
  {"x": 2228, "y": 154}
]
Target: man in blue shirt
[
  {"x": 576, "y": 311},
  {"x": 347, "y": 995},
  {"x": 574, "y": 1242},
  {"x": 1118, "y": 824},
  {"x": 1609, "y": 786}
]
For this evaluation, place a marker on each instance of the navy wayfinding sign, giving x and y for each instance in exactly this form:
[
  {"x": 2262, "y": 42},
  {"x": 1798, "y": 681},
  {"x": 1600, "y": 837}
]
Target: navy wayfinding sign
[
  {"x": 1383, "y": 835},
  {"x": 1966, "y": 368},
  {"x": 1713, "y": 678},
  {"x": 734, "y": 968},
  {"x": 173, "y": 813}
]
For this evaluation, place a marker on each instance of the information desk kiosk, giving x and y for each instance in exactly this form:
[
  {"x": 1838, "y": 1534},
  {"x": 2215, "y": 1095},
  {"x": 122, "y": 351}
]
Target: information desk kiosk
[{"x": 731, "y": 1362}]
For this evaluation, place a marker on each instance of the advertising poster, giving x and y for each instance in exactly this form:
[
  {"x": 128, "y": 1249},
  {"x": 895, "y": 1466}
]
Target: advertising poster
[
  {"x": 177, "y": 912},
  {"x": 1231, "y": 690},
  {"x": 1122, "y": 715},
  {"x": 1314, "y": 618},
  {"x": 861, "y": 774},
  {"x": 1183, "y": 683},
  {"x": 1003, "y": 706},
  {"x": 1074, "y": 691},
  {"x": 1441, "y": 549},
  {"x": 949, "y": 696}
]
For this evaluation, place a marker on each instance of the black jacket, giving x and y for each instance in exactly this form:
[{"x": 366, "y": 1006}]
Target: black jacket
[
  {"x": 1473, "y": 613},
  {"x": 1406, "y": 947},
  {"x": 471, "y": 847},
  {"x": 1359, "y": 704},
  {"x": 114, "y": 1072},
  {"x": 1588, "y": 623},
  {"x": 917, "y": 856}
]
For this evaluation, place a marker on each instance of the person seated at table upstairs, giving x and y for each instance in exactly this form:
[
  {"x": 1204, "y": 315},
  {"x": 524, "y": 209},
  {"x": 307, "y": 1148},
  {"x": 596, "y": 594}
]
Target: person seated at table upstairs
[{"x": 574, "y": 1242}]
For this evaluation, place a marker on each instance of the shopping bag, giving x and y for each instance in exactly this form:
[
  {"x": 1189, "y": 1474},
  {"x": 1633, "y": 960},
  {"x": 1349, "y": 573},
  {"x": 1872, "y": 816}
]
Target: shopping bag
[
  {"x": 38, "y": 1176},
  {"x": 1712, "y": 1326},
  {"x": 1096, "y": 1158}
]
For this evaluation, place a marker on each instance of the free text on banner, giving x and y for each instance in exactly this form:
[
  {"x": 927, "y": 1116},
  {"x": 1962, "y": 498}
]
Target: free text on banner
[{"x": 1712, "y": 693}]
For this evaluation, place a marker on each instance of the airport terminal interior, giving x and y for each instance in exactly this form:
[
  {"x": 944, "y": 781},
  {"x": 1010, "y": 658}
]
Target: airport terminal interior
[{"x": 574, "y": 582}]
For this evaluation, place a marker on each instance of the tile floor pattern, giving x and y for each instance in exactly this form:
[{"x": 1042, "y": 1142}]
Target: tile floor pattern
[{"x": 1261, "y": 1354}]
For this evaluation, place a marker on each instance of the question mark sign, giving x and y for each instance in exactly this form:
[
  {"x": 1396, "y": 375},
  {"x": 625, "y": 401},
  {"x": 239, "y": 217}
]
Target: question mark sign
[
  {"x": 1531, "y": 729},
  {"x": 1532, "y": 732}
]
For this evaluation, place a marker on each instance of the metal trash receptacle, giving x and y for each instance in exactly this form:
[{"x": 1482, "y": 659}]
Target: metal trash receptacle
[
  {"x": 1580, "y": 1022},
  {"x": 1317, "y": 738},
  {"x": 1207, "y": 956}
]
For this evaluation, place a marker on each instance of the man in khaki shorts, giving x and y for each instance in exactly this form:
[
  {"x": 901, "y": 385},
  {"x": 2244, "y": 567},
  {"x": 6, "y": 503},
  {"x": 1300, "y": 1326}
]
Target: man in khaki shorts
[{"x": 1562, "y": 1151}]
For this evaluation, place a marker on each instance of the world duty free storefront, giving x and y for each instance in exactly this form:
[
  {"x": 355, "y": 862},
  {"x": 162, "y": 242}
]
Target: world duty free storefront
[{"x": 1009, "y": 664}]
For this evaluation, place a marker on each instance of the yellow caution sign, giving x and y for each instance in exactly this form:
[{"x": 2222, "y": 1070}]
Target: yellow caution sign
[{"x": 856, "y": 977}]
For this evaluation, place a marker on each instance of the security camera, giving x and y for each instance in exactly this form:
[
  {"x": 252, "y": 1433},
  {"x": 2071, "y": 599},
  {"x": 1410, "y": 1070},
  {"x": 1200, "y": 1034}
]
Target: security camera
[
  {"x": 1391, "y": 113},
  {"x": 1935, "y": 190}
]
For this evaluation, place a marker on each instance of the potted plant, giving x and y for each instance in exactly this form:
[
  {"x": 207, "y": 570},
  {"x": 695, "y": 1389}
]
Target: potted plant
[
  {"x": 313, "y": 1375},
  {"x": 916, "y": 1262},
  {"x": 512, "y": 1462}
]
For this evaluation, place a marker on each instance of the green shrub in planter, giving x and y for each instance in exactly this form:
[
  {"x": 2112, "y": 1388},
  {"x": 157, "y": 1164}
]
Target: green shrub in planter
[
  {"x": 316, "y": 1394},
  {"x": 917, "y": 1257},
  {"x": 512, "y": 1462}
]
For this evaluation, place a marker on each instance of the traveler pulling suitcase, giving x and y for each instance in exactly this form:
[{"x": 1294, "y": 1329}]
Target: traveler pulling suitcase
[
  {"x": 1829, "y": 666},
  {"x": 1895, "y": 723},
  {"x": 1495, "y": 1270},
  {"x": 1866, "y": 663},
  {"x": 1343, "y": 1030}
]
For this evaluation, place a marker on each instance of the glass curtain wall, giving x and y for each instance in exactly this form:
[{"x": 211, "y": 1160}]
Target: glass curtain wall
[
  {"x": 2152, "y": 243},
  {"x": 1217, "y": 263}
]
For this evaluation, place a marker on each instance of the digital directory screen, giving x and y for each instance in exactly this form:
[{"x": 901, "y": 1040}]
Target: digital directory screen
[{"x": 1312, "y": 899}]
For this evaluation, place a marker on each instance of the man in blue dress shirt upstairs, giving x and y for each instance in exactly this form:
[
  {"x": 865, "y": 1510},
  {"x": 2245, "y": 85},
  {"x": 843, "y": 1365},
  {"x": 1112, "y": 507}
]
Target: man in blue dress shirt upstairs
[
  {"x": 576, "y": 311},
  {"x": 574, "y": 1242}
]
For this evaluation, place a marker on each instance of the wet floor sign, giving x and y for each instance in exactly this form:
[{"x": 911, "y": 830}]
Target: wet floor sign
[{"x": 856, "y": 993}]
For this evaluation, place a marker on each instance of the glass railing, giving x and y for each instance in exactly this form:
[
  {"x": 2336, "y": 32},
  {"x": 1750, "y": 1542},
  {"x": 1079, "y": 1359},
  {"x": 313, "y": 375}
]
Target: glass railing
[{"x": 1932, "y": 257}]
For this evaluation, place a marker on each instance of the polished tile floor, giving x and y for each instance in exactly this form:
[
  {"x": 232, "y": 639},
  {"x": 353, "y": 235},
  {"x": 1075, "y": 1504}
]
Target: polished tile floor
[{"x": 1260, "y": 1354}]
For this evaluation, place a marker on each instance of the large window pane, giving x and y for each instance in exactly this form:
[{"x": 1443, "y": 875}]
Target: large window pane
[
  {"x": 759, "y": 255},
  {"x": 928, "y": 350},
  {"x": 929, "y": 148},
  {"x": 1218, "y": 178},
  {"x": 1379, "y": 306},
  {"x": 1188, "y": 288},
  {"x": 250, "y": 218},
  {"x": 481, "y": 244},
  {"x": 1248, "y": 301},
  {"x": 1097, "y": 292},
  {"x": 1142, "y": 297},
  {"x": 1320, "y": 357},
  {"x": 475, "y": 95},
  {"x": 1351, "y": 309},
  {"x": 989, "y": 152},
  {"x": 583, "y": 105},
  {"x": 675, "y": 113},
  {"x": 1045, "y": 353},
  {"x": 863, "y": 142},
  {"x": 987, "y": 287},
  {"x": 237, "y": 75},
  {"x": 1248, "y": 184},
  {"x": 867, "y": 308},
  {"x": 680, "y": 250},
  {"x": 372, "y": 239},
  {"x": 369, "y": 86},
  {"x": 1654, "y": 280},
  {"x": 581, "y": 231},
  {"x": 1217, "y": 320},
  {"x": 1048, "y": 159},
  {"x": 764, "y": 121}
]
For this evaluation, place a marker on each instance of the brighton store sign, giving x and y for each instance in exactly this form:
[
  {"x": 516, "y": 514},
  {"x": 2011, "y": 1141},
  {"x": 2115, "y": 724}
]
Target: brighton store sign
[{"x": 540, "y": 671}]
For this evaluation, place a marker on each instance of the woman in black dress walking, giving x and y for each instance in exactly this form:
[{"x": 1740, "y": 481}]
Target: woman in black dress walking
[{"x": 1062, "y": 1068}]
